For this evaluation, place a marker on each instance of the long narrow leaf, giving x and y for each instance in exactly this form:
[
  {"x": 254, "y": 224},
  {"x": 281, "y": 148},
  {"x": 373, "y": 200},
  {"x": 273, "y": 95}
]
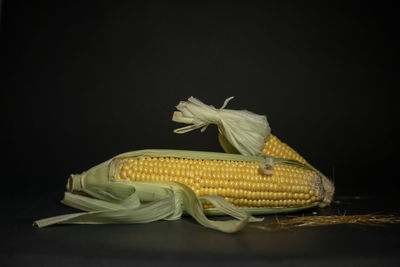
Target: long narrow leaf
[
  {"x": 145, "y": 213},
  {"x": 226, "y": 207}
]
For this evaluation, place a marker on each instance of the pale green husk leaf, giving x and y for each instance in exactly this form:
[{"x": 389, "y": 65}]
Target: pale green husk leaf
[
  {"x": 245, "y": 130},
  {"x": 226, "y": 207}
]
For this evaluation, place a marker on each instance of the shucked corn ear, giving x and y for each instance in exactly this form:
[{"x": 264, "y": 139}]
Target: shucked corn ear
[
  {"x": 148, "y": 185},
  {"x": 240, "y": 131}
]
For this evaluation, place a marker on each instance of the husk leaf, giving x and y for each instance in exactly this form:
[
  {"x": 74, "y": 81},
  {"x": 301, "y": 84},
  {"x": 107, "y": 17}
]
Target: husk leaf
[{"x": 245, "y": 130}]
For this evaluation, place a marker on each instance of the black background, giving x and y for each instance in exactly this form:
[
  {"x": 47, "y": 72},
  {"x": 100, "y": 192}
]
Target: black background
[
  {"x": 83, "y": 81},
  {"x": 86, "y": 81}
]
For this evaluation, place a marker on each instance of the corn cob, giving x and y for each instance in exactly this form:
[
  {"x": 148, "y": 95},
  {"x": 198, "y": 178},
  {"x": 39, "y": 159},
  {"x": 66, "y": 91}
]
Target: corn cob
[{"x": 236, "y": 178}]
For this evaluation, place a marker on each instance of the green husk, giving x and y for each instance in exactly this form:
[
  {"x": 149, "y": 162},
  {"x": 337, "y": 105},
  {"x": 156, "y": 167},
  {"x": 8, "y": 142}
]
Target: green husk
[{"x": 107, "y": 200}]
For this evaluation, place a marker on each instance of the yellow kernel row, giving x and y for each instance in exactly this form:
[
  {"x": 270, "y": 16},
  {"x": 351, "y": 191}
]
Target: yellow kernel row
[
  {"x": 240, "y": 193},
  {"x": 260, "y": 203},
  {"x": 270, "y": 203},
  {"x": 283, "y": 174}
]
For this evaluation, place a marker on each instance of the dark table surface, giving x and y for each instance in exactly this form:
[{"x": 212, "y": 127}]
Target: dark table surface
[{"x": 185, "y": 241}]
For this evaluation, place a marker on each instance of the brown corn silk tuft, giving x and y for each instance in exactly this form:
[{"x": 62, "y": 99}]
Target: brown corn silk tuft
[{"x": 304, "y": 221}]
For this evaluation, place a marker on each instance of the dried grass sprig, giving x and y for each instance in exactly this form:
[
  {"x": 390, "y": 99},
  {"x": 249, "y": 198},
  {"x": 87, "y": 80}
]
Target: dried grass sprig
[{"x": 302, "y": 221}]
